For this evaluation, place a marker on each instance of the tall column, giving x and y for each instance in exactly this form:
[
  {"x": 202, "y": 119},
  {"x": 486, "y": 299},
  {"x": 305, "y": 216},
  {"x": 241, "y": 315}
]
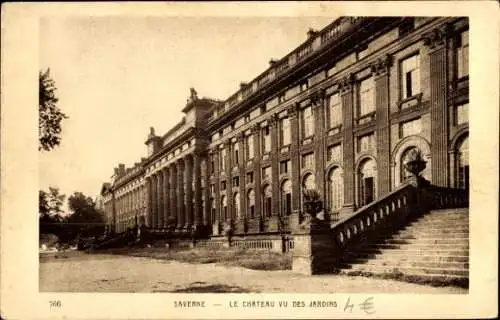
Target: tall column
[
  {"x": 188, "y": 195},
  {"x": 198, "y": 214},
  {"x": 180, "y": 195},
  {"x": 436, "y": 42},
  {"x": 293, "y": 113},
  {"x": 166, "y": 196},
  {"x": 154, "y": 201},
  {"x": 159, "y": 188},
  {"x": 229, "y": 180},
  {"x": 173, "y": 193},
  {"x": 346, "y": 94},
  {"x": 380, "y": 70},
  {"x": 275, "y": 175},
  {"x": 207, "y": 208},
  {"x": 256, "y": 133},
  {"x": 242, "y": 165},
  {"x": 318, "y": 104},
  {"x": 218, "y": 220}
]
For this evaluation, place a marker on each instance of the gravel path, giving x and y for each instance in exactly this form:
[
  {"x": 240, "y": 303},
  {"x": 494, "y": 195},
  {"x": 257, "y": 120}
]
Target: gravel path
[{"x": 112, "y": 273}]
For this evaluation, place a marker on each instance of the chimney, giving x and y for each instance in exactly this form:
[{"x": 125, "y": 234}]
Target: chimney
[
  {"x": 121, "y": 168},
  {"x": 116, "y": 171}
]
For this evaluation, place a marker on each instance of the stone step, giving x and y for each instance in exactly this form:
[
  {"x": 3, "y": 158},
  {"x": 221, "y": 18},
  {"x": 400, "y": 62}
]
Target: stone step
[
  {"x": 426, "y": 238},
  {"x": 413, "y": 252},
  {"x": 414, "y": 240},
  {"x": 410, "y": 270},
  {"x": 440, "y": 222},
  {"x": 442, "y": 278},
  {"x": 450, "y": 211},
  {"x": 398, "y": 256},
  {"x": 384, "y": 261},
  {"x": 421, "y": 247},
  {"x": 435, "y": 229}
]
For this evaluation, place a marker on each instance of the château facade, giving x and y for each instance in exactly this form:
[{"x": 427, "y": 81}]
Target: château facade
[{"x": 338, "y": 114}]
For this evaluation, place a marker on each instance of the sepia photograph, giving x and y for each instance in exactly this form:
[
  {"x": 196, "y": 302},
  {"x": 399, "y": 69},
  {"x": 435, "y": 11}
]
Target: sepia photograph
[{"x": 272, "y": 156}]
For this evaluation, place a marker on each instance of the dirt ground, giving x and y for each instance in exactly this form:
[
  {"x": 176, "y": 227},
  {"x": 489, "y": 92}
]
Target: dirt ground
[{"x": 80, "y": 272}]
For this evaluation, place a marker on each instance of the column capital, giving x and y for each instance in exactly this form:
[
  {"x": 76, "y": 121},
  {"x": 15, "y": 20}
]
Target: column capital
[
  {"x": 381, "y": 65},
  {"x": 293, "y": 110},
  {"x": 436, "y": 37},
  {"x": 273, "y": 120},
  {"x": 317, "y": 97},
  {"x": 345, "y": 84},
  {"x": 240, "y": 137},
  {"x": 255, "y": 128}
]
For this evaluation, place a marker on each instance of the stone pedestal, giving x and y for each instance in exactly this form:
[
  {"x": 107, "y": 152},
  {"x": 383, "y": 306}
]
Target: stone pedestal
[{"x": 314, "y": 248}]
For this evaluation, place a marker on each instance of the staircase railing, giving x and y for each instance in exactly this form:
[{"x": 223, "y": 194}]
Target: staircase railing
[{"x": 392, "y": 211}]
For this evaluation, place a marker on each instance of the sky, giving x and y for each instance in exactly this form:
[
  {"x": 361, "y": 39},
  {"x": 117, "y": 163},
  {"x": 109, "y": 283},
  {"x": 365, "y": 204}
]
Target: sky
[{"x": 118, "y": 76}]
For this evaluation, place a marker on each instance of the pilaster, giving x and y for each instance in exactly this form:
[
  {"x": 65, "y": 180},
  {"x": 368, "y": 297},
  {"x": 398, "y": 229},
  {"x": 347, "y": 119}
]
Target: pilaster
[
  {"x": 173, "y": 193},
  {"x": 347, "y": 98},
  {"x": 188, "y": 193},
  {"x": 318, "y": 104},
  {"x": 180, "y": 195}
]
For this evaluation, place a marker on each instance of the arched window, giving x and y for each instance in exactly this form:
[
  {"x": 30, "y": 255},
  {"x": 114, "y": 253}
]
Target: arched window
[
  {"x": 223, "y": 211},
  {"x": 367, "y": 181},
  {"x": 251, "y": 203},
  {"x": 462, "y": 163},
  {"x": 309, "y": 181},
  {"x": 267, "y": 196},
  {"x": 286, "y": 197},
  {"x": 335, "y": 189},
  {"x": 236, "y": 200},
  {"x": 404, "y": 174}
]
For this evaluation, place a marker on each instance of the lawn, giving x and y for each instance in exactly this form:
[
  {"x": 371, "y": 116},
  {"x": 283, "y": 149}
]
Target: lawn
[{"x": 251, "y": 259}]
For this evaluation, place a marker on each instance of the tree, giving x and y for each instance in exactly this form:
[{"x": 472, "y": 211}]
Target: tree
[
  {"x": 50, "y": 210},
  {"x": 86, "y": 219},
  {"x": 50, "y": 116}
]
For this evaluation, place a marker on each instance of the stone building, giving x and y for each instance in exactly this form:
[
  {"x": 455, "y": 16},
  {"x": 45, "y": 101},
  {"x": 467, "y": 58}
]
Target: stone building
[{"x": 337, "y": 114}]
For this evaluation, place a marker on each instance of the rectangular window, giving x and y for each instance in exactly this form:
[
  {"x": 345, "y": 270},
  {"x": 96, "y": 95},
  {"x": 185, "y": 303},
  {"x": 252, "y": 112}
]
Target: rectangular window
[
  {"x": 411, "y": 127},
  {"x": 410, "y": 76},
  {"x": 461, "y": 114},
  {"x": 366, "y": 97},
  {"x": 463, "y": 55},
  {"x": 249, "y": 147},
  {"x": 212, "y": 165},
  {"x": 307, "y": 123},
  {"x": 223, "y": 156},
  {"x": 366, "y": 142},
  {"x": 308, "y": 160},
  {"x": 223, "y": 185},
  {"x": 304, "y": 86},
  {"x": 285, "y": 166},
  {"x": 236, "y": 154},
  {"x": 212, "y": 190},
  {"x": 285, "y": 134},
  {"x": 334, "y": 153},
  {"x": 266, "y": 173},
  {"x": 334, "y": 111},
  {"x": 250, "y": 177},
  {"x": 236, "y": 182},
  {"x": 266, "y": 140}
]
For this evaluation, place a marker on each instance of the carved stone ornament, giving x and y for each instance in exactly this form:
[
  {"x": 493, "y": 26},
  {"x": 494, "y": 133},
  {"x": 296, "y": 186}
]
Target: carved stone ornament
[
  {"x": 273, "y": 120},
  {"x": 381, "y": 65},
  {"x": 436, "y": 37},
  {"x": 193, "y": 96},
  {"x": 255, "y": 128},
  {"x": 293, "y": 110},
  {"x": 240, "y": 137},
  {"x": 345, "y": 83},
  {"x": 317, "y": 97}
]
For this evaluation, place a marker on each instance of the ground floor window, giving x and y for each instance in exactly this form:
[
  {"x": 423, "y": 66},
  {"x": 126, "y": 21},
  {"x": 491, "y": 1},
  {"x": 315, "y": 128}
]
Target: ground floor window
[
  {"x": 286, "y": 197},
  {"x": 251, "y": 203},
  {"x": 335, "y": 190},
  {"x": 267, "y": 198},
  {"x": 366, "y": 183},
  {"x": 462, "y": 164}
]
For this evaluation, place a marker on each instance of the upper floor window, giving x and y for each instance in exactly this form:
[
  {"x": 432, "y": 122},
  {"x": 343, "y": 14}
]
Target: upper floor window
[
  {"x": 285, "y": 134},
  {"x": 236, "y": 181},
  {"x": 249, "y": 177},
  {"x": 266, "y": 173},
  {"x": 307, "y": 122},
  {"x": 366, "y": 97},
  {"x": 334, "y": 153},
  {"x": 462, "y": 113},
  {"x": 236, "y": 154},
  {"x": 304, "y": 86},
  {"x": 334, "y": 111},
  {"x": 366, "y": 142},
  {"x": 249, "y": 147},
  {"x": 285, "y": 166},
  {"x": 411, "y": 127},
  {"x": 223, "y": 159},
  {"x": 266, "y": 140},
  {"x": 308, "y": 160},
  {"x": 410, "y": 76},
  {"x": 463, "y": 54}
]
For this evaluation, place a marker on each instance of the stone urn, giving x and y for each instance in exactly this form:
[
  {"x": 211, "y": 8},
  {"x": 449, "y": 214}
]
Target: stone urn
[
  {"x": 312, "y": 203},
  {"x": 415, "y": 164}
]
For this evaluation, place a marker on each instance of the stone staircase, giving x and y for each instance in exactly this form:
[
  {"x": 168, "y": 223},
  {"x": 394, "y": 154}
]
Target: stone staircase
[{"x": 431, "y": 248}]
